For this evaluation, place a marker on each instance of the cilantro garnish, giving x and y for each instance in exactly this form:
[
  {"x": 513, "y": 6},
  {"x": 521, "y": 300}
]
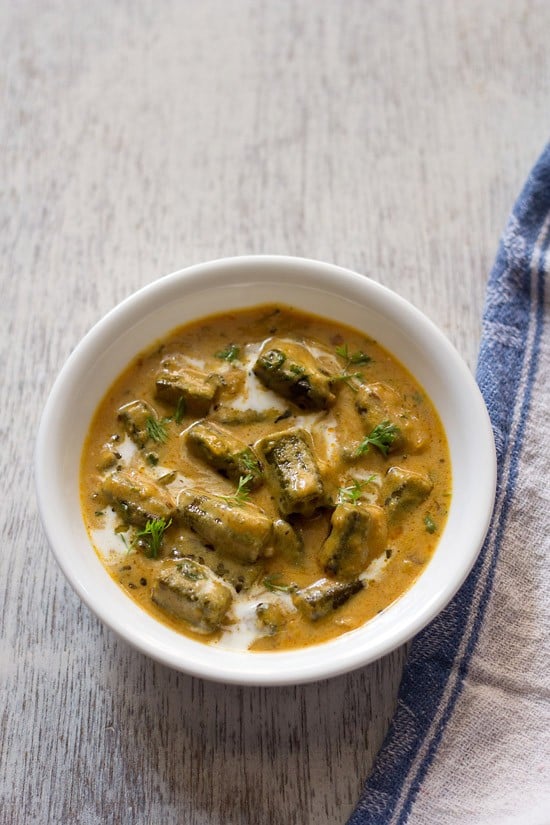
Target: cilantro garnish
[
  {"x": 430, "y": 524},
  {"x": 156, "y": 430},
  {"x": 152, "y": 534},
  {"x": 273, "y": 583},
  {"x": 359, "y": 358},
  {"x": 242, "y": 492},
  {"x": 352, "y": 493},
  {"x": 381, "y": 437},
  {"x": 229, "y": 353}
]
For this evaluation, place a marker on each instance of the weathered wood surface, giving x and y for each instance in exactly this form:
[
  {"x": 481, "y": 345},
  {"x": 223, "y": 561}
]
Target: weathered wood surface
[{"x": 137, "y": 138}]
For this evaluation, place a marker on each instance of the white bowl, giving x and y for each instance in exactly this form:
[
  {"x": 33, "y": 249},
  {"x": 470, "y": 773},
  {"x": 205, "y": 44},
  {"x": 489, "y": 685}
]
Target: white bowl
[{"x": 227, "y": 284}]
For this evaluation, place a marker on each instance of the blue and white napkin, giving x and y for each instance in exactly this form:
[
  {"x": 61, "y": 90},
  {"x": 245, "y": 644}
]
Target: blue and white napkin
[{"x": 470, "y": 740}]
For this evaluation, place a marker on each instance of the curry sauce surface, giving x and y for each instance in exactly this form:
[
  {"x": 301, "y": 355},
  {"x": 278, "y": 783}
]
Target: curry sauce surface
[{"x": 335, "y": 432}]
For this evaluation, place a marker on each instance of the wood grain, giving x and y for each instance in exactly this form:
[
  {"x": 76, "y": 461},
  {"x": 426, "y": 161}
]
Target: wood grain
[{"x": 138, "y": 137}]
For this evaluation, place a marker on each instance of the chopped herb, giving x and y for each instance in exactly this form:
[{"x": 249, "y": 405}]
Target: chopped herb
[
  {"x": 431, "y": 526},
  {"x": 273, "y": 583},
  {"x": 249, "y": 463},
  {"x": 180, "y": 410},
  {"x": 230, "y": 353},
  {"x": 353, "y": 493},
  {"x": 346, "y": 377},
  {"x": 242, "y": 492},
  {"x": 156, "y": 430},
  {"x": 122, "y": 537},
  {"x": 296, "y": 369},
  {"x": 152, "y": 535},
  {"x": 99, "y": 513},
  {"x": 382, "y": 437},
  {"x": 360, "y": 358},
  {"x": 152, "y": 459}
]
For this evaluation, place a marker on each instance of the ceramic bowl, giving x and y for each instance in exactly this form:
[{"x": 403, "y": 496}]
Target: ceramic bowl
[{"x": 325, "y": 290}]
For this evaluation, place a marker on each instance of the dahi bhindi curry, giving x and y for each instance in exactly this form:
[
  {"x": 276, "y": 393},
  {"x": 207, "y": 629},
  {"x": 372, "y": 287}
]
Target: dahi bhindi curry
[{"x": 265, "y": 479}]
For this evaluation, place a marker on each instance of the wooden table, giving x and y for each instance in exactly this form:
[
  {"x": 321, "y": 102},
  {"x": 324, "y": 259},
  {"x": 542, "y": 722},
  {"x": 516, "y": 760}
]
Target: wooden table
[{"x": 137, "y": 138}]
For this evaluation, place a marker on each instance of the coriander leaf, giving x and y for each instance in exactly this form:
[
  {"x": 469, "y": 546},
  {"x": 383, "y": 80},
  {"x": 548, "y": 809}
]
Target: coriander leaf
[
  {"x": 273, "y": 584},
  {"x": 382, "y": 437},
  {"x": 230, "y": 353},
  {"x": 180, "y": 410},
  {"x": 346, "y": 377},
  {"x": 352, "y": 494},
  {"x": 242, "y": 492},
  {"x": 152, "y": 534},
  {"x": 431, "y": 526},
  {"x": 249, "y": 463},
  {"x": 156, "y": 430},
  {"x": 359, "y": 358},
  {"x": 342, "y": 351}
]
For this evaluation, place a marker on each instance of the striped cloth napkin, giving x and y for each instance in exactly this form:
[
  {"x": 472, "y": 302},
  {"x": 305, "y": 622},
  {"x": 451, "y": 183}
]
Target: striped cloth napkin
[{"x": 470, "y": 740}]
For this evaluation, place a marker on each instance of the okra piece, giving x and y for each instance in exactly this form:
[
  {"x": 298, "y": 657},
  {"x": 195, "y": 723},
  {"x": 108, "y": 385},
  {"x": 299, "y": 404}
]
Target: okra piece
[
  {"x": 223, "y": 451},
  {"x": 137, "y": 497},
  {"x": 286, "y": 541},
  {"x": 109, "y": 454},
  {"x": 136, "y": 418},
  {"x": 403, "y": 491},
  {"x": 179, "y": 381},
  {"x": 379, "y": 402},
  {"x": 238, "y": 529},
  {"x": 192, "y": 592},
  {"x": 187, "y": 544},
  {"x": 234, "y": 417},
  {"x": 358, "y": 534},
  {"x": 271, "y": 617},
  {"x": 323, "y": 596},
  {"x": 289, "y": 369},
  {"x": 292, "y": 472}
]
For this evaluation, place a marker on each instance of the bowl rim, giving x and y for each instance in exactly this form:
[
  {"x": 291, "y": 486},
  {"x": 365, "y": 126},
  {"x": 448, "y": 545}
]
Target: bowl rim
[{"x": 277, "y": 668}]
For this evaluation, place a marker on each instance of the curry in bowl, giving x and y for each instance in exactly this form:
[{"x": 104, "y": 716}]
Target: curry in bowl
[{"x": 265, "y": 479}]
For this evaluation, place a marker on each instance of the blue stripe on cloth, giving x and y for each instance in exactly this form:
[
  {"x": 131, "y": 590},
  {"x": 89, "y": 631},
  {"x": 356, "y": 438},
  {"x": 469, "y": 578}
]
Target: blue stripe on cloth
[{"x": 440, "y": 655}]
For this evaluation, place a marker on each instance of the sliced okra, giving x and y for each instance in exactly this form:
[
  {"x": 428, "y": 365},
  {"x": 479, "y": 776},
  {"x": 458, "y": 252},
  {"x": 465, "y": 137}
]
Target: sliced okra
[
  {"x": 235, "y": 528},
  {"x": 286, "y": 541},
  {"x": 403, "y": 491},
  {"x": 379, "y": 402},
  {"x": 191, "y": 591},
  {"x": 137, "y": 497},
  {"x": 108, "y": 455},
  {"x": 136, "y": 418},
  {"x": 290, "y": 369},
  {"x": 292, "y": 472},
  {"x": 224, "y": 451},
  {"x": 271, "y": 616},
  {"x": 358, "y": 535},
  {"x": 178, "y": 381},
  {"x": 324, "y": 596}
]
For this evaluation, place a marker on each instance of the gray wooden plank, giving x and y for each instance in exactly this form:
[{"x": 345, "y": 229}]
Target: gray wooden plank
[{"x": 390, "y": 137}]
